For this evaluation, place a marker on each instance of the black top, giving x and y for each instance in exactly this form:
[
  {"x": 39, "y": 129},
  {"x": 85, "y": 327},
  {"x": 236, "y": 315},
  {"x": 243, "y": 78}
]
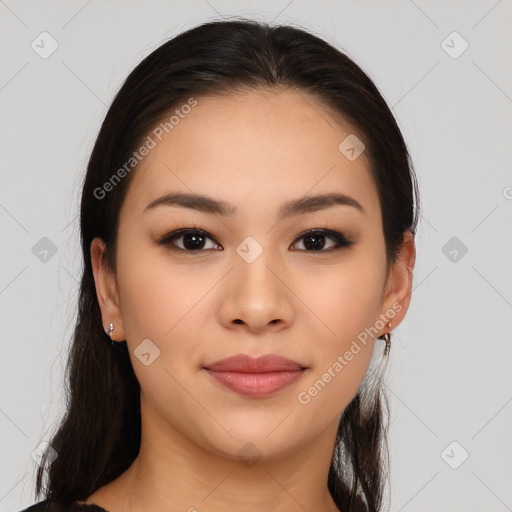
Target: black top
[{"x": 47, "y": 506}]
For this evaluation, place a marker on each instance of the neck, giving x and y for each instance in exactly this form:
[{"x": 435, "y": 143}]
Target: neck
[{"x": 174, "y": 473}]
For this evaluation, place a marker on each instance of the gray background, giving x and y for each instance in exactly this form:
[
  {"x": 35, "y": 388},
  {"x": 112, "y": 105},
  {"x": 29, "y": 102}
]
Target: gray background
[{"x": 449, "y": 376}]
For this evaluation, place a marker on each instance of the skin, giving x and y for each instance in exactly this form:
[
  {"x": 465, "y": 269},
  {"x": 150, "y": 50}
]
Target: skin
[{"x": 254, "y": 150}]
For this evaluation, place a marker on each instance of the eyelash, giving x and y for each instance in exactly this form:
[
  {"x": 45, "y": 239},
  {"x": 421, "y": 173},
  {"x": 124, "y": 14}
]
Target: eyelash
[{"x": 341, "y": 240}]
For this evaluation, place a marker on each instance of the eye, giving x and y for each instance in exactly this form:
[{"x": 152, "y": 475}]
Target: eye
[
  {"x": 195, "y": 240},
  {"x": 315, "y": 240}
]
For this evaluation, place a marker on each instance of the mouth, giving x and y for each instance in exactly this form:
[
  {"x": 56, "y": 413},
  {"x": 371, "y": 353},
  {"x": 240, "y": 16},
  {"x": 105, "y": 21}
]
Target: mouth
[{"x": 255, "y": 378}]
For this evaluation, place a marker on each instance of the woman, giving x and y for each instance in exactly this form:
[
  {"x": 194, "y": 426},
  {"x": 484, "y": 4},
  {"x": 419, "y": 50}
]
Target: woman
[{"x": 247, "y": 222}]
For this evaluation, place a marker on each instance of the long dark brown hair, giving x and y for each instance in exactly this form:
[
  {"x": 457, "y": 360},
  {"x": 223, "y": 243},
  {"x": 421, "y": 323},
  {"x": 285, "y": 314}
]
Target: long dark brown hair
[{"x": 98, "y": 437}]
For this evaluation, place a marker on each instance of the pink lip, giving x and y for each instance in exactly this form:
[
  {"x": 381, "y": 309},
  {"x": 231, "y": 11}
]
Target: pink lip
[{"x": 255, "y": 377}]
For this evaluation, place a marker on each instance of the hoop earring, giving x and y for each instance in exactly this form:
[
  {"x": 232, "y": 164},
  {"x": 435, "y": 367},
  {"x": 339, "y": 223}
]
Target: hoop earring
[{"x": 387, "y": 337}]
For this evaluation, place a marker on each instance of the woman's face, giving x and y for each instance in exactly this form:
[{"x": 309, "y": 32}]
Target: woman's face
[{"x": 252, "y": 281}]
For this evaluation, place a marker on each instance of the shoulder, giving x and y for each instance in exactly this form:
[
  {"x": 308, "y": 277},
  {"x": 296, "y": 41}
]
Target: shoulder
[{"x": 49, "y": 506}]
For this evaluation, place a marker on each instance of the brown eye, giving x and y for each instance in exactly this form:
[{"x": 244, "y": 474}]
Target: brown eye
[
  {"x": 193, "y": 240},
  {"x": 314, "y": 240}
]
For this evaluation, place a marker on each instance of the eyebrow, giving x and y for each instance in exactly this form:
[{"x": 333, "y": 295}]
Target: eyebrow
[{"x": 291, "y": 208}]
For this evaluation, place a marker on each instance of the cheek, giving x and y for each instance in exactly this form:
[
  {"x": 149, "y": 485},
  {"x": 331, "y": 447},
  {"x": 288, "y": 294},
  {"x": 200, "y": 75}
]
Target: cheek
[
  {"x": 347, "y": 299},
  {"x": 166, "y": 306},
  {"x": 146, "y": 298},
  {"x": 154, "y": 296},
  {"x": 158, "y": 304},
  {"x": 348, "y": 302}
]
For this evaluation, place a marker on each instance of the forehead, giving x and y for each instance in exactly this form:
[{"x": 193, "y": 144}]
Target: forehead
[{"x": 264, "y": 146}]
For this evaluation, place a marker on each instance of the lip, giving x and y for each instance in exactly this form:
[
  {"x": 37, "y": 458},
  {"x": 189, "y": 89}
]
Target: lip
[
  {"x": 256, "y": 377},
  {"x": 247, "y": 364}
]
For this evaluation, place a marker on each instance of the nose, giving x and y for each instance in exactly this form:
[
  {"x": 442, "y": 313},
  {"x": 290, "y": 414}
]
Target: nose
[{"x": 256, "y": 296}]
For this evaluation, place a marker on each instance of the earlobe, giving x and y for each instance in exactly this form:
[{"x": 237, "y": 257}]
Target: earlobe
[
  {"x": 398, "y": 288},
  {"x": 106, "y": 290}
]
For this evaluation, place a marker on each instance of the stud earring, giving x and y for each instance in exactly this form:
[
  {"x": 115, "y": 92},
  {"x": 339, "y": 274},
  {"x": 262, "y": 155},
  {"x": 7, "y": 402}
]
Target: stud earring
[{"x": 109, "y": 332}]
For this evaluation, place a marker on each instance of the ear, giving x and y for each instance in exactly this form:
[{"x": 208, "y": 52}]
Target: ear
[
  {"x": 397, "y": 291},
  {"x": 106, "y": 291}
]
